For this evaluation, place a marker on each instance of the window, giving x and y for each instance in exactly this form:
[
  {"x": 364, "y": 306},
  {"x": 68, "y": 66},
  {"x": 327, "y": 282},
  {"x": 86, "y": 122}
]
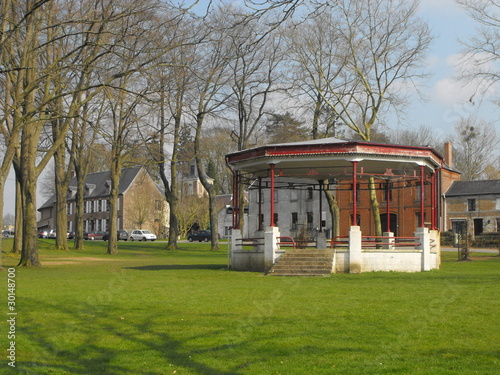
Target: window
[
  {"x": 387, "y": 189},
  {"x": 498, "y": 204},
  {"x": 310, "y": 220},
  {"x": 99, "y": 205},
  {"x": 309, "y": 193},
  {"x": 84, "y": 207},
  {"x": 459, "y": 226},
  {"x": 417, "y": 218},
  {"x": 358, "y": 192},
  {"x": 358, "y": 220},
  {"x": 276, "y": 219},
  {"x": 68, "y": 209},
  {"x": 471, "y": 205},
  {"x": 498, "y": 224},
  {"x": 295, "y": 220}
]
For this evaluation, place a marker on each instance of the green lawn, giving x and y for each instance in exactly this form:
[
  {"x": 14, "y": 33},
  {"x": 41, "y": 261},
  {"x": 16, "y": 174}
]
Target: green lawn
[{"x": 152, "y": 311}]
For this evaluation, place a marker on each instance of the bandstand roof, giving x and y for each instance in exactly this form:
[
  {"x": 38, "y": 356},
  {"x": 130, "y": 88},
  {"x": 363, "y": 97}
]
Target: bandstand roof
[{"x": 328, "y": 158}]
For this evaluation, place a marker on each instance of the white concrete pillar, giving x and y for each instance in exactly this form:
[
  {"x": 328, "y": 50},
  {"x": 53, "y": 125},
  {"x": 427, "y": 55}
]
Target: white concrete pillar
[
  {"x": 271, "y": 245},
  {"x": 259, "y": 235},
  {"x": 424, "y": 238},
  {"x": 235, "y": 244},
  {"x": 355, "y": 256},
  {"x": 391, "y": 240},
  {"x": 321, "y": 241},
  {"x": 436, "y": 247}
]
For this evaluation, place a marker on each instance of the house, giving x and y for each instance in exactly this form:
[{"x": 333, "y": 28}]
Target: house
[
  {"x": 141, "y": 203},
  {"x": 190, "y": 184},
  {"x": 224, "y": 207},
  {"x": 473, "y": 206}
]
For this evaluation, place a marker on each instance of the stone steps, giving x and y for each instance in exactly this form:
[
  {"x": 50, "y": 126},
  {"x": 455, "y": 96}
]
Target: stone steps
[{"x": 304, "y": 262}]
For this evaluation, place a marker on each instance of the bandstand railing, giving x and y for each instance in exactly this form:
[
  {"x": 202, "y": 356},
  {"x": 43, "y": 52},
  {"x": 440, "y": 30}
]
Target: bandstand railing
[{"x": 368, "y": 242}]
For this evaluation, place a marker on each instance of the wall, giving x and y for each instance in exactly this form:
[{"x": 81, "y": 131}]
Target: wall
[{"x": 144, "y": 206}]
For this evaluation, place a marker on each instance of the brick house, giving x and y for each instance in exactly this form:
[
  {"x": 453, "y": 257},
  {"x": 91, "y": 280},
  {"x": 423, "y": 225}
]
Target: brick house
[
  {"x": 473, "y": 205},
  {"x": 141, "y": 203}
]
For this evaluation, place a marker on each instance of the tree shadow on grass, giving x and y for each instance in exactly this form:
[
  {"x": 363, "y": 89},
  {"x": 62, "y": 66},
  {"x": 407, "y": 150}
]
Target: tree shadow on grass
[{"x": 95, "y": 340}]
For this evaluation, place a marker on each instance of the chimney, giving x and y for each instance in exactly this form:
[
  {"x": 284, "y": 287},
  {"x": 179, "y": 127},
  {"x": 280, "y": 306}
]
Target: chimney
[{"x": 448, "y": 154}]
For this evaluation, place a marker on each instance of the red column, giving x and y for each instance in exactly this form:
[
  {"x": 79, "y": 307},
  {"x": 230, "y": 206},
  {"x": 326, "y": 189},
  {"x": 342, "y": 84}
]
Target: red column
[
  {"x": 422, "y": 196},
  {"x": 388, "y": 201},
  {"x": 260, "y": 203},
  {"x": 320, "y": 205},
  {"x": 236, "y": 200},
  {"x": 272, "y": 195},
  {"x": 433, "y": 201},
  {"x": 354, "y": 193}
]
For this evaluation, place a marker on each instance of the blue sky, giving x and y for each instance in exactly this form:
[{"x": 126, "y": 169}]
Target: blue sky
[{"x": 447, "y": 99}]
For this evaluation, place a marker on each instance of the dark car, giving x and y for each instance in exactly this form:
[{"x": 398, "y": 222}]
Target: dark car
[
  {"x": 201, "y": 235},
  {"x": 120, "y": 235},
  {"x": 93, "y": 235},
  {"x": 71, "y": 235}
]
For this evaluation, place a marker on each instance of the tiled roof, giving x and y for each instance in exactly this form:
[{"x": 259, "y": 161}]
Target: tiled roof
[
  {"x": 98, "y": 182},
  {"x": 482, "y": 187}
]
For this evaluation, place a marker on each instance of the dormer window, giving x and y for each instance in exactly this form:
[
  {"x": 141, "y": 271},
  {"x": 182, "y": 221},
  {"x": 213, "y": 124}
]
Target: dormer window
[
  {"x": 89, "y": 188},
  {"x": 108, "y": 186},
  {"x": 71, "y": 192}
]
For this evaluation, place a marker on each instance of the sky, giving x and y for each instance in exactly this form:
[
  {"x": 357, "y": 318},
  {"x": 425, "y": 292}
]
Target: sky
[{"x": 447, "y": 100}]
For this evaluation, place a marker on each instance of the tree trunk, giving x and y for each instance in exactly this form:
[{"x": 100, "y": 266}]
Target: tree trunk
[
  {"x": 61, "y": 182},
  {"x": 80, "y": 189},
  {"x": 18, "y": 237},
  {"x": 29, "y": 175},
  {"x": 113, "y": 210},
  {"x": 2, "y": 189},
  {"x": 208, "y": 186},
  {"x": 334, "y": 210},
  {"x": 375, "y": 207}
]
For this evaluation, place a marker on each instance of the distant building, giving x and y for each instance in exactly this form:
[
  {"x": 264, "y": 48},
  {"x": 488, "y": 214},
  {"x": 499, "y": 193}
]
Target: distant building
[
  {"x": 141, "y": 203},
  {"x": 190, "y": 184},
  {"x": 473, "y": 205}
]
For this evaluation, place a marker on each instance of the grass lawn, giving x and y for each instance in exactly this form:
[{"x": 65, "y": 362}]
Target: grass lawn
[{"x": 152, "y": 311}]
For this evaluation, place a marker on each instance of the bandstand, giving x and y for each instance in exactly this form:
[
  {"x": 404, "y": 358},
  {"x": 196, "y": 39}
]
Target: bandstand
[{"x": 405, "y": 181}]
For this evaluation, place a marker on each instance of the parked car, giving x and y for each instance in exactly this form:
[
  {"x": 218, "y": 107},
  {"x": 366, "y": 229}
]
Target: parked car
[
  {"x": 120, "y": 235},
  {"x": 201, "y": 235},
  {"x": 94, "y": 235},
  {"x": 71, "y": 235},
  {"x": 43, "y": 234},
  {"x": 8, "y": 233},
  {"x": 142, "y": 235},
  {"x": 51, "y": 234}
]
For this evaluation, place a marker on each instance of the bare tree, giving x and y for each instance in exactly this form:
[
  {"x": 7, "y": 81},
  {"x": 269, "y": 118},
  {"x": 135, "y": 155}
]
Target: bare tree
[
  {"x": 210, "y": 94},
  {"x": 475, "y": 144},
  {"x": 420, "y": 136},
  {"x": 481, "y": 52},
  {"x": 378, "y": 48},
  {"x": 170, "y": 81}
]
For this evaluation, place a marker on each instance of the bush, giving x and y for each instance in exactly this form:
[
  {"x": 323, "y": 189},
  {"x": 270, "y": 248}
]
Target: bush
[
  {"x": 448, "y": 238},
  {"x": 490, "y": 240}
]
